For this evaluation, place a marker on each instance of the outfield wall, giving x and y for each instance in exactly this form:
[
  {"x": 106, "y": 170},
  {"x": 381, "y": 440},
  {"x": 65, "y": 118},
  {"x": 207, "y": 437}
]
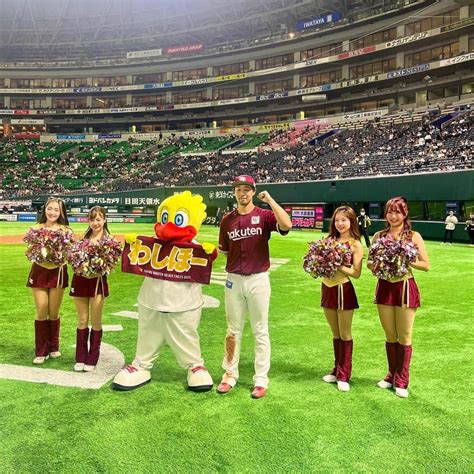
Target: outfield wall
[
  {"x": 422, "y": 187},
  {"x": 445, "y": 186}
]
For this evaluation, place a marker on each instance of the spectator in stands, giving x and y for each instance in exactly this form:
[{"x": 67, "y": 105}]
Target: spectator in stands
[
  {"x": 373, "y": 149},
  {"x": 449, "y": 228}
]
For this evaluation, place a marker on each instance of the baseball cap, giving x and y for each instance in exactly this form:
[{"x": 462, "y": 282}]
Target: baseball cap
[{"x": 244, "y": 179}]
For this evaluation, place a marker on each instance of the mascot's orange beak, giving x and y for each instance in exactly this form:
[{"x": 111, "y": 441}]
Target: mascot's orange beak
[{"x": 171, "y": 231}]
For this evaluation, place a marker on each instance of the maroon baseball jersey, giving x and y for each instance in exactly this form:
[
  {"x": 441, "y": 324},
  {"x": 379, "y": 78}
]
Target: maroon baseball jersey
[{"x": 245, "y": 240}]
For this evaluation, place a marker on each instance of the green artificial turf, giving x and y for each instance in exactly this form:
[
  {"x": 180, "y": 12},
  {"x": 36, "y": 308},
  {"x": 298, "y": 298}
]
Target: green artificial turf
[{"x": 302, "y": 425}]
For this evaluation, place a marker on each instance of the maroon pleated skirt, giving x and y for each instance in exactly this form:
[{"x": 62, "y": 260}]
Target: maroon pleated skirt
[
  {"x": 342, "y": 297},
  {"x": 89, "y": 287},
  {"x": 41, "y": 277},
  {"x": 399, "y": 293}
]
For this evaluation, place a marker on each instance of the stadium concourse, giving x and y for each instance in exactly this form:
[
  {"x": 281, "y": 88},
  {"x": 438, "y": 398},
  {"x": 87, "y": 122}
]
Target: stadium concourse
[{"x": 374, "y": 149}]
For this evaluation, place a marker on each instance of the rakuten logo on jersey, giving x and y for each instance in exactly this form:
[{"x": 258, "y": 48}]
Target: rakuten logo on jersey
[{"x": 239, "y": 234}]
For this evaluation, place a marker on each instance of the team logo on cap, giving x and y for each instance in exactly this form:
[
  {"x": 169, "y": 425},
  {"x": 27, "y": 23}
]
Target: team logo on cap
[{"x": 244, "y": 179}]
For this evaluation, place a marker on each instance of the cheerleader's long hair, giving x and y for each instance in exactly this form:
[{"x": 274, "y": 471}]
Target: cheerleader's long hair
[
  {"x": 399, "y": 204},
  {"x": 93, "y": 212},
  {"x": 62, "y": 219},
  {"x": 351, "y": 215}
]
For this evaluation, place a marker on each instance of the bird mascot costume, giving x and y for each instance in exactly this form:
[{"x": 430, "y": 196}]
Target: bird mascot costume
[{"x": 169, "y": 310}]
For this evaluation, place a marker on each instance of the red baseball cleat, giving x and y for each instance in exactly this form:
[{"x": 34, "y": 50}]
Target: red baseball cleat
[
  {"x": 224, "y": 388},
  {"x": 259, "y": 392}
]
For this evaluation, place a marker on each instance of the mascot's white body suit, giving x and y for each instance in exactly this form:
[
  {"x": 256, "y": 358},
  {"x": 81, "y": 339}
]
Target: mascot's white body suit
[{"x": 168, "y": 311}]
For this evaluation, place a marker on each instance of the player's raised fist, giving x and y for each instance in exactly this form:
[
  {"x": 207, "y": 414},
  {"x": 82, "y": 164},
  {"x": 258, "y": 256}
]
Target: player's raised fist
[{"x": 264, "y": 196}]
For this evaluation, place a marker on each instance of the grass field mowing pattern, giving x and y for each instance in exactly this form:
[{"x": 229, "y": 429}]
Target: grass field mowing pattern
[{"x": 302, "y": 425}]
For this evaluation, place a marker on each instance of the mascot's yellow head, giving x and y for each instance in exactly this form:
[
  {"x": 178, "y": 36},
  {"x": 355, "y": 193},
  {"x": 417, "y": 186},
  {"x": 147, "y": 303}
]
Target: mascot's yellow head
[{"x": 179, "y": 217}]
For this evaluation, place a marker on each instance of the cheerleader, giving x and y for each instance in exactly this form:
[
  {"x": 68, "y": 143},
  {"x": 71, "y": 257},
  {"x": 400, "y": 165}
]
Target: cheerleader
[
  {"x": 338, "y": 298},
  {"x": 47, "y": 282},
  {"x": 397, "y": 299},
  {"x": 89, "y": 295}
]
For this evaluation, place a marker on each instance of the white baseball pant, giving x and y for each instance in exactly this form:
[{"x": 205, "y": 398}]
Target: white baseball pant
[{"x": 242, "y": 293}]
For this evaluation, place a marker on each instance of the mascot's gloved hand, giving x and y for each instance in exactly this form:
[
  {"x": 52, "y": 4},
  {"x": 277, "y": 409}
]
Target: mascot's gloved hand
[
  {"x": 208, "y": 247},
  {"x": 131, "y": 238}
]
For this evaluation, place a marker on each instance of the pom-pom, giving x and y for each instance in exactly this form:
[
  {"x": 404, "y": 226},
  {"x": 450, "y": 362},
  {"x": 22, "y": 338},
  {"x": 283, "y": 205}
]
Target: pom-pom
[
  {"x": 325, "y": 257},
  {"x": 391, "y": 258},
  {"x": 48, "y": 246},
  {"x": 90, "y": 259}
]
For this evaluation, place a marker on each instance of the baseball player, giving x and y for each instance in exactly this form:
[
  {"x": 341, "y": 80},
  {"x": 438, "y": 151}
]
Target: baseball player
[{"x": 244, "y": 235}]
